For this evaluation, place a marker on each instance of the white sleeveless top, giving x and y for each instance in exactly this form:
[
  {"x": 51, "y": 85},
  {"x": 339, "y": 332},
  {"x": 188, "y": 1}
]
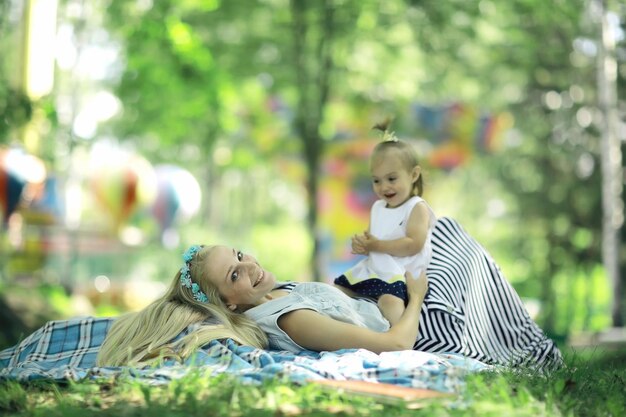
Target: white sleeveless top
[
  {"x": 320, "y": 297},
  {"x": 389, "y": 224}
]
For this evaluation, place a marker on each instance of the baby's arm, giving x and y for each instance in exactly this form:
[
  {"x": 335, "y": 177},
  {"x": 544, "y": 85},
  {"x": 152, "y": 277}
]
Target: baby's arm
[{"x": 416, "y": 234}]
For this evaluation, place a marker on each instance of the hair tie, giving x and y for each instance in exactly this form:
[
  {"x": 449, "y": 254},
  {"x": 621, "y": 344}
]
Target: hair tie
[
  {"x": 185, "y": 274},
  {"x": 389, "y": 136}
]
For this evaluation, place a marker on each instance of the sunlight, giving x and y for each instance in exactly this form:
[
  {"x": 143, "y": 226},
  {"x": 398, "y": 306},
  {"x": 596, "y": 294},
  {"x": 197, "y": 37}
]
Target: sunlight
[{"x": 41, "y": 30}]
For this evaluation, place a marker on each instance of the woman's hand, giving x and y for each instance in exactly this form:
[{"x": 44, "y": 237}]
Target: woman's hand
[{"x": 416, "y": 287}]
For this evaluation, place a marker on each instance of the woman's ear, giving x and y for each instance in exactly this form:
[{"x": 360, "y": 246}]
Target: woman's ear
[{"x": 231, "y": 307}]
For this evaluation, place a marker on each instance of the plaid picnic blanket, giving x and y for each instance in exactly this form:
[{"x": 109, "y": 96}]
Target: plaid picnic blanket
[{"x": 66, "y": 350}]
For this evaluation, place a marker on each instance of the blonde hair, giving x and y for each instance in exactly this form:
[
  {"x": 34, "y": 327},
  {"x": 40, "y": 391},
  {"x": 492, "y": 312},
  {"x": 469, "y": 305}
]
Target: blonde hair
[
  {"x": 405, "y": 152},
  {"x": 143, "y": 337}
]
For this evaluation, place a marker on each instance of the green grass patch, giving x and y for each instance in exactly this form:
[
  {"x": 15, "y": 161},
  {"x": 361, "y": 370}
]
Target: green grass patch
[{"x": 593, "y": 384}]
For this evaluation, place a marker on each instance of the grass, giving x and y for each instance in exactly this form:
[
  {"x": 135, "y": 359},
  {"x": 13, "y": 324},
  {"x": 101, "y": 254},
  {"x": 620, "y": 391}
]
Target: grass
[{"x": 593, "y": 384}]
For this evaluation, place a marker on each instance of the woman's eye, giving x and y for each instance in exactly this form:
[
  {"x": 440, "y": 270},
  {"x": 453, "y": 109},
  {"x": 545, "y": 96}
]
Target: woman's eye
[
  {"x": 234, "y": 276},
  {"x": 239, "y": 255}
]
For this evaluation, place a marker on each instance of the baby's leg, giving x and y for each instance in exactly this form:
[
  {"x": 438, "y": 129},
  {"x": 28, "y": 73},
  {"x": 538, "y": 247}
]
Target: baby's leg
[{"x": 391, "y": 306}]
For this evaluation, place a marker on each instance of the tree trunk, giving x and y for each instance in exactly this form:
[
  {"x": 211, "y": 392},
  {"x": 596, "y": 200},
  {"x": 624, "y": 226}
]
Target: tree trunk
[
  {"x": 312, "y": 66},
  {"x": 611, "y": 157}
]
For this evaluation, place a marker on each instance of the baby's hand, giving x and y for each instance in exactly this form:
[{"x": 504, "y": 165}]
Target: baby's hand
[
  {"x": 365, "y": 241},
  {"x": 357, "y": 245}
]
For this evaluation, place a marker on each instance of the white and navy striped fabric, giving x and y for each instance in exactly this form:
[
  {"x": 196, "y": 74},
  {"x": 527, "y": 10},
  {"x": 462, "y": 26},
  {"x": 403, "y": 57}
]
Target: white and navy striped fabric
[{"x": 471, "y": 309}]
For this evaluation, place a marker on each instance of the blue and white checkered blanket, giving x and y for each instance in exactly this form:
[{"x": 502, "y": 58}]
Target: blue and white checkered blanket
[{"x": 67, "y": 349}]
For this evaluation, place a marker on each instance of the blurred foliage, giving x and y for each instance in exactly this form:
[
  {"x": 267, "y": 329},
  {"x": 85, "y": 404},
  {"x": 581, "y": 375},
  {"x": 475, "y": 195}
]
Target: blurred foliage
[
  {"x": 16, "y": 108},
  {"x": 171, "y": 86},
  {"x": 550, "y": 170},
  {"x": 526, "y": 57},
  {"x": 15, "y": 111}
]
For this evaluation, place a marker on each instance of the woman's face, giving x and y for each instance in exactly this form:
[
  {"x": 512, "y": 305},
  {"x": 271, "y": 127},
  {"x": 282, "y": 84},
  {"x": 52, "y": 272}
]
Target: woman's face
[{"x": 238, "y": 277}]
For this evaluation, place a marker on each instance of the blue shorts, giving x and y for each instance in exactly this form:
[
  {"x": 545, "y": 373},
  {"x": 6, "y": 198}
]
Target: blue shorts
[{"x": 375, "y": 287}]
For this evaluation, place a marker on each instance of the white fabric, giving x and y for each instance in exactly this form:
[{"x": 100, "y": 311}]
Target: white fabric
[
  {"x": 390, "y": 224},
  {"x": 323, "y": 298}
]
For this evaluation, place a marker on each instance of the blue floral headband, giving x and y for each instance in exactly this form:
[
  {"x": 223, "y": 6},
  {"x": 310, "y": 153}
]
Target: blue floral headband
[{"x": 185, "y": 275}]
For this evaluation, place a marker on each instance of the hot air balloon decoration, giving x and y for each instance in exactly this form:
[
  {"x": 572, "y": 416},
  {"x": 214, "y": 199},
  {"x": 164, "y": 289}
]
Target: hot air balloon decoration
[
  {"x": 178, "y": 196},
  {"x": 122, "y": 186},
  {"x": 19, "y": 171}
]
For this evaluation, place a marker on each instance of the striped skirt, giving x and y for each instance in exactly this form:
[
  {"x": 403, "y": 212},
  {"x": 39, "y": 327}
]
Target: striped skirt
[{"x": 470, "y": 308}]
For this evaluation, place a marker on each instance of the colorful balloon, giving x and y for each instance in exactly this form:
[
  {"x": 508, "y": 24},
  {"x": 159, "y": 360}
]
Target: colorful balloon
[
  {"x": 11, "y": 188},
  {"x": 49, "y": 202},
  {"x": 122, "y": 185},
  {"x": 178, "y": 196},
  {"x": 18, "y": 171}
]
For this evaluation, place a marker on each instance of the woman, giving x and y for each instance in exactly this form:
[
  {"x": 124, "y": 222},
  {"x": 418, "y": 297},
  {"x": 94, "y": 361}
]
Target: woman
[{"x": 463, "y": 304}]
